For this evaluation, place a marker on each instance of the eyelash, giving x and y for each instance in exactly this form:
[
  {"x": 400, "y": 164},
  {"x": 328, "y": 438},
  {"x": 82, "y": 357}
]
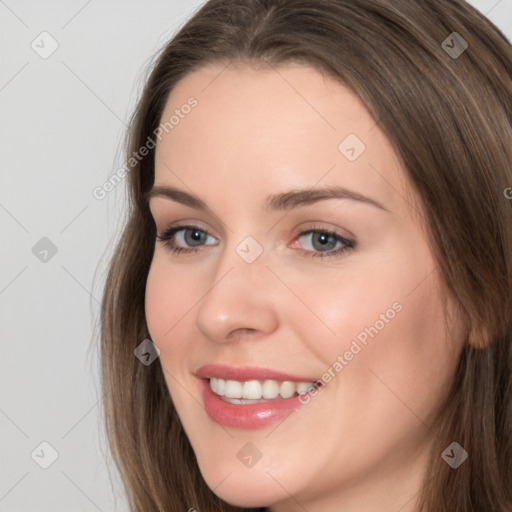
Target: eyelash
[{"x": 167, "y": 239}]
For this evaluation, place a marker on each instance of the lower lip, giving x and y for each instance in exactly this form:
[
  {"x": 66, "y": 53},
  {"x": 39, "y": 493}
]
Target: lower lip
[{"x": 248, "y": 416}]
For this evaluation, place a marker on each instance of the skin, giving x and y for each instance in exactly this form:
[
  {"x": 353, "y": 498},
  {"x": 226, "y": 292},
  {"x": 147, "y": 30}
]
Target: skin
[{"x": 362, "y": 443}]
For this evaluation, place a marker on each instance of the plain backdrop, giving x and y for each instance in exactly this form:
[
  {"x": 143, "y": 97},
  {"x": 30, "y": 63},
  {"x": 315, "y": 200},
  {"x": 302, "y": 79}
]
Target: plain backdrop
[{"x": 70, "y": 75}]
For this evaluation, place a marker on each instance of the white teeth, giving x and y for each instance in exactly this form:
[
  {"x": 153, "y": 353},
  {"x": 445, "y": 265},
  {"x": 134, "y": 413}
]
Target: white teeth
[
  {"x": 270, "y": 389},
  {"x": 304, "y": 387},
  {"x": 256, "y": 390},
  {"x": 251, "y": 389},
  {"x": 233, "y": 389},
  {"x": 221, "y": 387},
  {"x": 287, "y": 389}
]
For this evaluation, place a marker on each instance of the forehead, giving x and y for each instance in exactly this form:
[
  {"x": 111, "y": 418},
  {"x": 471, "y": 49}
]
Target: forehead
[{"x": 269, "y": 128}]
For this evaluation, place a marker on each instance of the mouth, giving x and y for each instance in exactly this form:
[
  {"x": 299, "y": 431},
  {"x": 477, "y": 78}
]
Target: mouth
[
  {"x": 257, "y": 391},
  {"x": 250, "y": 398}
]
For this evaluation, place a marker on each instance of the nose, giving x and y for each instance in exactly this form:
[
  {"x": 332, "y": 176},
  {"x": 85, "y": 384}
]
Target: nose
[{"x": 239, "y": 301}]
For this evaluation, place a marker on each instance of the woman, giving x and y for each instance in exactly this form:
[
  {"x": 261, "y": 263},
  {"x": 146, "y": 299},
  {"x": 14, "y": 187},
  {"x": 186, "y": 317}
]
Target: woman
[{"x": 316, "y": 273}]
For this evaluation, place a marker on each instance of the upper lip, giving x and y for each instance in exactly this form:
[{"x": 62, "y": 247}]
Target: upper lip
[{"x": 244, "y": 373}]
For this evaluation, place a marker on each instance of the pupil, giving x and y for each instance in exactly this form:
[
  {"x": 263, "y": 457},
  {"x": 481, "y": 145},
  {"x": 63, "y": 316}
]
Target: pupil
[
  {"x": 194, "y": 236},
  {"x": 323, "y": 239}
]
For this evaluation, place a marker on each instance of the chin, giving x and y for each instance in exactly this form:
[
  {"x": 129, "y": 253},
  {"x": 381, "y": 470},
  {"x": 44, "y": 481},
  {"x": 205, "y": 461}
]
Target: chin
[{"x": 243, "y": 487}]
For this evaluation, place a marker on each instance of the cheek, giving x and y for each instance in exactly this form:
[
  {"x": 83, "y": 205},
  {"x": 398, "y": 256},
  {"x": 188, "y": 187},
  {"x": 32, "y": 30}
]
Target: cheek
[
  {"x": 403, "y": 364},
  {"x": 380, "y": 334},
  {"x": 169, "y": 306},
  {"x": 340, "y": 311},
  {"x": 158, "y": 303},
  {"x": 170, "y": 296}
]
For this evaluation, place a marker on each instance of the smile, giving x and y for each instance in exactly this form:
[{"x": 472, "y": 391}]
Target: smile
[
  {"x": 257, "y": 391},
  {"x": 250, "y": 397}
]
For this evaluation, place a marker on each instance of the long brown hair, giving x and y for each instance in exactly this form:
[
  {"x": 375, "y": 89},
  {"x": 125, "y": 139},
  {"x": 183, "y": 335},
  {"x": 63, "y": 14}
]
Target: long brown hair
[{"x": 447, "y": 111}]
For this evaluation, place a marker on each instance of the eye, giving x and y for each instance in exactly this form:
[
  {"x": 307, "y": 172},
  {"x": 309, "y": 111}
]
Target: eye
[
  {"x": 184, "y": 238},
  {"x": 324, "y": 243}
]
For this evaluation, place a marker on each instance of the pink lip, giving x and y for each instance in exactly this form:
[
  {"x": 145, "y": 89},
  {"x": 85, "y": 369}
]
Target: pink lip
[
  {"x": 221, "y": 371},
  {"x": 252, "y": 416}
]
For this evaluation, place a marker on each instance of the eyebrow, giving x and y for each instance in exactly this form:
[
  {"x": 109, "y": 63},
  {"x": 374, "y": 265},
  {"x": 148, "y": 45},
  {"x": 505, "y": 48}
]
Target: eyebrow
[{"x": 277, "y": 202}]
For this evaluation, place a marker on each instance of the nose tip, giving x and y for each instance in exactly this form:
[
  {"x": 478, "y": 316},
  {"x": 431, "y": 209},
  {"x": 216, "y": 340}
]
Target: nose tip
[{"x": 239, "y": 306}]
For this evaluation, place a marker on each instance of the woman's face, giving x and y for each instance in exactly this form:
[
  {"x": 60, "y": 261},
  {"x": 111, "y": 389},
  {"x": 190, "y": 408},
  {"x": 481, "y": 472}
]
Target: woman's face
[{"x": 305, "y": 259}]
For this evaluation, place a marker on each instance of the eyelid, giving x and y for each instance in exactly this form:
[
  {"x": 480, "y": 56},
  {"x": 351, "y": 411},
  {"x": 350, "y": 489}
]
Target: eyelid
[
  {"x": 327, "y": 227},
  {"x": 161, "y": 214},
  {"x": 195, "y": 224},
  {"x": 171, "y": 231}
]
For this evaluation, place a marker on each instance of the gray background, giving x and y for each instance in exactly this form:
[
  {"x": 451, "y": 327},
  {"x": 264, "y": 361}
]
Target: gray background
[{"x": 63, "y": 119}]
